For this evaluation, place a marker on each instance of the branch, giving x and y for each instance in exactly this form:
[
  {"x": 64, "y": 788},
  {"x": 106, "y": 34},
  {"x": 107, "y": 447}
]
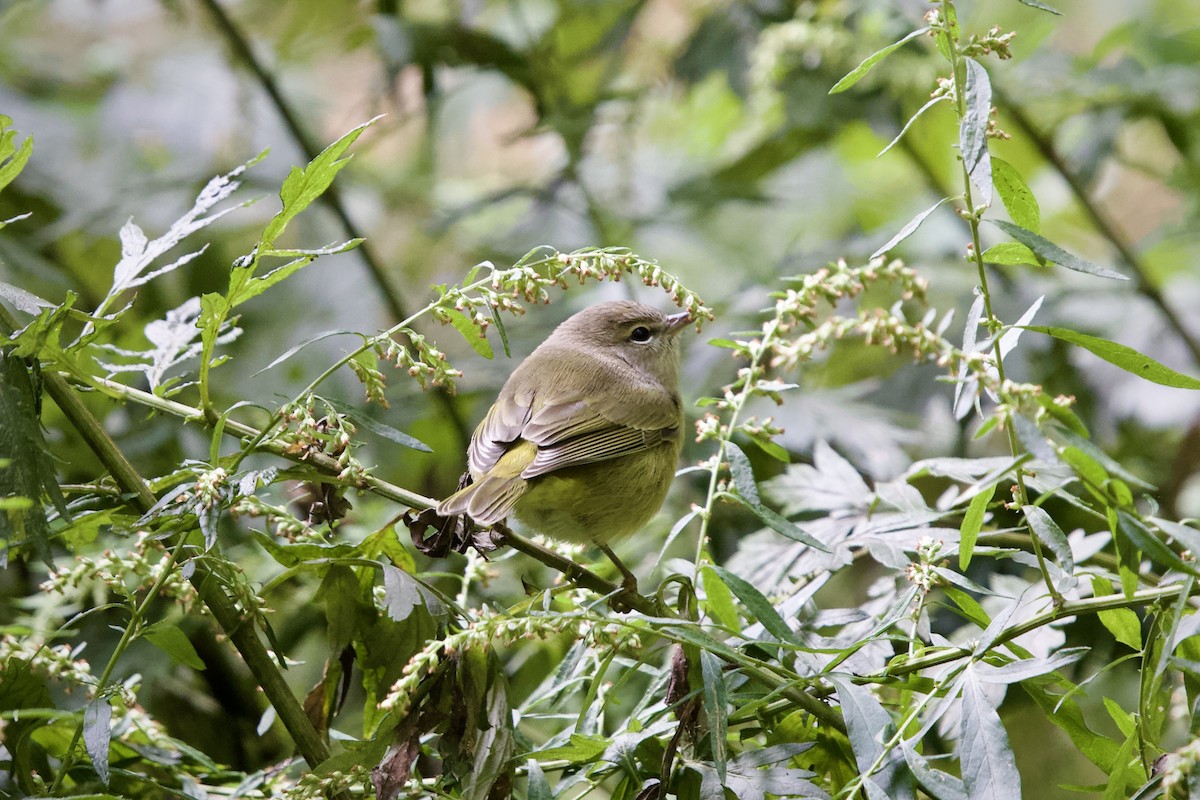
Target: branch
[
  {"x": 1102, "y": 224},
  {"x": 331, "y": 197},
  {"x": 244, "y": 637},
  {"x": 1091, "y": 605}
]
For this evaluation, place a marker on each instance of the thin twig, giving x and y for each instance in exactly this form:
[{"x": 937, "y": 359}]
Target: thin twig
[{"x": 331, "y": 197}]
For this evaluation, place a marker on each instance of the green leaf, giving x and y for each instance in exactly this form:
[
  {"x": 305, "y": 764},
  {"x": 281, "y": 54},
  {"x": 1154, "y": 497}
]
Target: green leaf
[
  {"x": 715, "y": 707},
  {"x": 1121, "y": 356},
  {"x": 989, "y": 768},
  {"x": 1150, "y": 545},
  {"x": 972, "y": 130},
  {"x": 909, "y": 228},
  {"x": 1020, "y": 203},
  {"x": 718, "y": 600},
  {"x": 1122, "y": 623},
  {"x": 1011, "y": 254},
  {"x": 757, "y": 604},
  {"x": 169, "y": 638},
  {"x": 1048, "y": 532},
  {"x": 1119, "y": 779},
  {"x": 303, "y": 186},
  {"x": 17, "y": 158},
  {"x": 1049, "y": 251},
  {"x": 581, "y": 749},
  {"x": 857, "y": 74},
  {"x": 470, "y": 331},
  {"x": 780, "y": 524},
  {"x": 972, "y": 522},
  {"x": 938, "y": 784}
]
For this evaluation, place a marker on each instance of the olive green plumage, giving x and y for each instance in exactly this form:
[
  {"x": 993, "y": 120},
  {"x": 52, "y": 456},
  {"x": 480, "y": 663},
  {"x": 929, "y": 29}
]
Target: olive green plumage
[{"x": 584, "y": 438}]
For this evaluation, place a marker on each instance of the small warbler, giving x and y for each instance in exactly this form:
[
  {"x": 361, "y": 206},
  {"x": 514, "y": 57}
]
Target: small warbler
[{"x": 583, "y": 441}]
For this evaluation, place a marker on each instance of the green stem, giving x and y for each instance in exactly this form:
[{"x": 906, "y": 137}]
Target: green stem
[
  {"x": 994, "y": 325},
  {"x": 127, "y": 636},
  {"x": 244, "y": 637},
  {"x": 1071, "y": 608},
  {"x": 718, "y": 458}
]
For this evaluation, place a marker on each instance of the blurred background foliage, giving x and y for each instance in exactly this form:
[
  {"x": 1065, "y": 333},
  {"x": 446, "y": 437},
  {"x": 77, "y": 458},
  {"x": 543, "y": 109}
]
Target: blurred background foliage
[{"x": 699, "y": 133}]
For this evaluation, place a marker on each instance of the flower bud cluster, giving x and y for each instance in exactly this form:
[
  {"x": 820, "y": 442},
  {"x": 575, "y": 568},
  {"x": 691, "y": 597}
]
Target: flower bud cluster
[
  {"x": 429, "y": 365},
  {"x": 283, "y": 524},
  {"x": 312, "y": 785},
  {"x": 838, "y": 281},
  {"x": 125, "y": 574},
  {"x": 490, "y": 630},
  {"x": 374, "y": 383},
  {"x": 330, "y": 433},
  {"x": 923, "y": 572}
]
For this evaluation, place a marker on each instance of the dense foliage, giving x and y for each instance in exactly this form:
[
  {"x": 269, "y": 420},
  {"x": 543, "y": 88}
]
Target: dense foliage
[{"x": 932, "y": 536}]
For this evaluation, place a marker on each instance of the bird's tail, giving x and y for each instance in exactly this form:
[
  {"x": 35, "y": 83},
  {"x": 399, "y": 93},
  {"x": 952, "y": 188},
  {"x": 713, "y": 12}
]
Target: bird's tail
[{"x": 487, "y": 502}]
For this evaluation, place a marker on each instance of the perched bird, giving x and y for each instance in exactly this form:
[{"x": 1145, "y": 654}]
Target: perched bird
[{"x": 583, "y": 441}]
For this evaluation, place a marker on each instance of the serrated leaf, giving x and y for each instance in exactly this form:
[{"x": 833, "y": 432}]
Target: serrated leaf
[
  {"x": 97, "y": 734},
  {"x": 1049, "y": 251},
  {"x": 1049, "y": 534},
  {"x": 174, "y": 642},
  {"x": 11, "y": 168},
  {"x": 857, "y": 74},
  {"x": 971, "y": 524},
  {"x": 757, "y": 604},
  {"x": 1018, "y": 200},
  {"x": 1011, "y": 254},
  {"x": 972, "y": 129},
  {"x": 909, "y": 228},
  {"x": 401, "y": 593},
  {"x": 303, "y": 186},
  {"x": 988, "y": 765},
  {"x": 1121, "y": 356}
]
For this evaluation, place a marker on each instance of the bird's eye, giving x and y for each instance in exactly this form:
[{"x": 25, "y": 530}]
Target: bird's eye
[{"x": 640, "y": 334}]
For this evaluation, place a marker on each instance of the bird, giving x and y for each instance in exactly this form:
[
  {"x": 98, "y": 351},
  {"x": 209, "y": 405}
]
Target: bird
[{"x": 583, "y": 439}]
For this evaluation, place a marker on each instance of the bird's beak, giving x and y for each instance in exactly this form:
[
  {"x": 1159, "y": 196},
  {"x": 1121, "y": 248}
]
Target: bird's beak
[{"x": 677, "y": 322}]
